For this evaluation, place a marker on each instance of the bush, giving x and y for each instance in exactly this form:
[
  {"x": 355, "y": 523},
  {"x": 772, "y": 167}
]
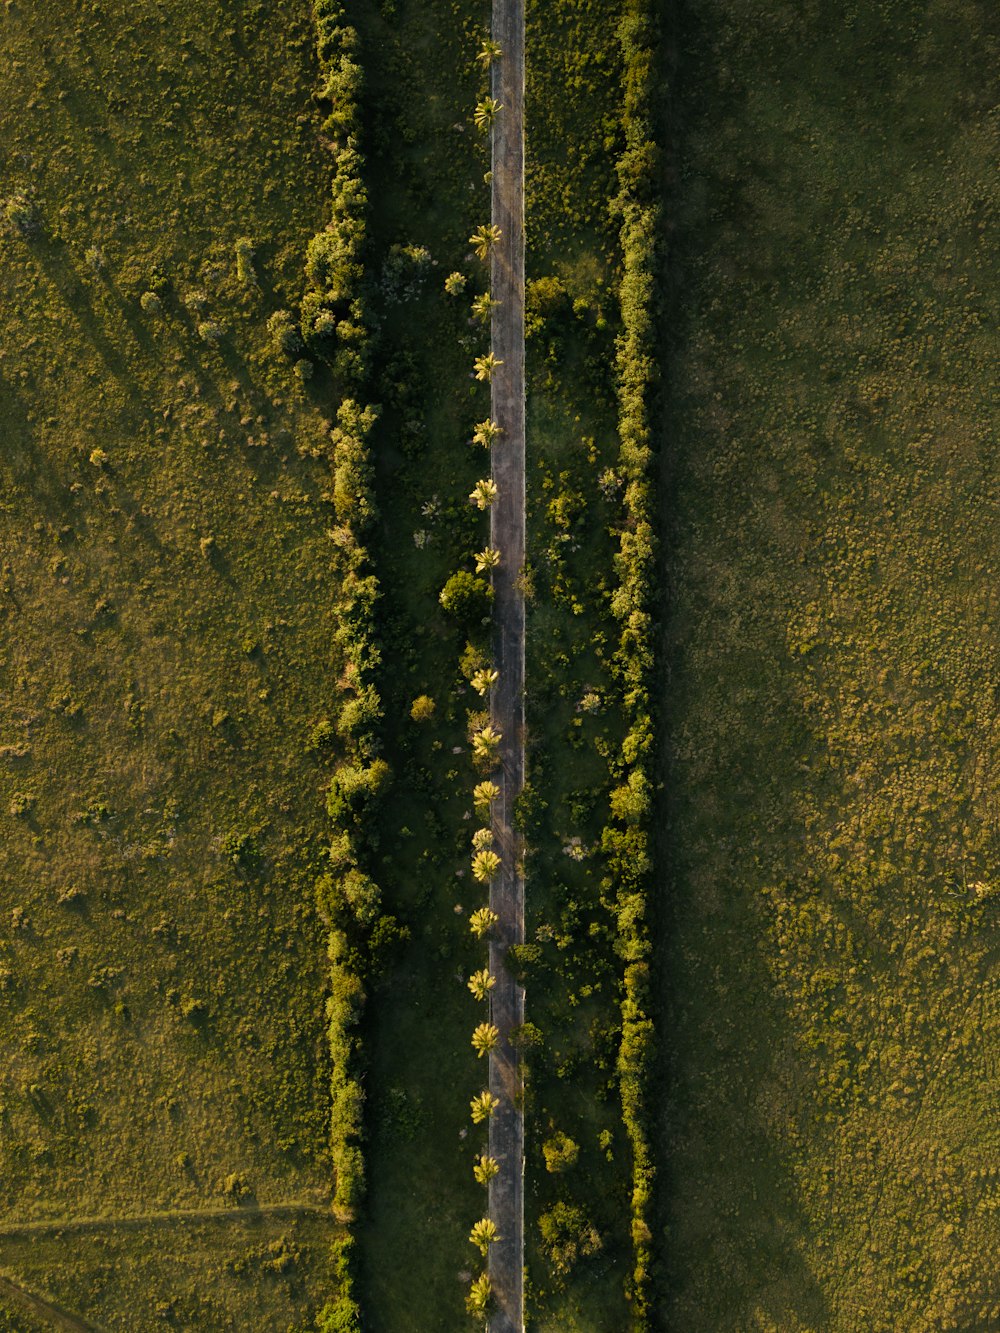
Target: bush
[
  {"x": 467, "y": 598},
  {"x": 560, "y": 1153},
  {"x": 422, "y": 708},
  {"x": 567, "y": 1237},
  {"x": 284, "y": 333}
]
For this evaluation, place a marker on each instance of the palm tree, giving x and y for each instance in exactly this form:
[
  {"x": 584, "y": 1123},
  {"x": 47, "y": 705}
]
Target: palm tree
[
  {"x": 486, "y": 113},
  {"x": 482, "y": 921},
  {"x": 489, "y": 51},
  {"x": 486, "y": 1038},
  {"x": 481, "y": 983},
  {"x": 485, "y": 743},
  {"x": 480, "y": 1295},
  {"x": 484, "y": 493},
  {"x": 485, "y": 865},
  {"x": 484, "y": 679},
  {"x": 482, "y": 839},
  {"x": 484, "y": 238},
  {"x": 484, "y": 1234},
  {"x": 485, "y": 1169},
  {"x": 483, "y": 307},
  {"x": 488, "y": 558},
  {"x": 486, "y": 432},
  {"x": 483, "y": 1106},
  {"x": 484, "y": 367},
  {"x": 484, "y": 794}
]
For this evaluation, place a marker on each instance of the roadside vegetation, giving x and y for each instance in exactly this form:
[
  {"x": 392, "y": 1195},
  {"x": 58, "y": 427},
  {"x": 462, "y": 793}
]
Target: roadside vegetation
[
  {"x": 592, "y": 234},
  {"x": 830, "y": 1136}
]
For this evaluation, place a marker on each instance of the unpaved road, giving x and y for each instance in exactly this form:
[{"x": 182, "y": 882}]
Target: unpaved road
[{"x": 507, "y": 534}]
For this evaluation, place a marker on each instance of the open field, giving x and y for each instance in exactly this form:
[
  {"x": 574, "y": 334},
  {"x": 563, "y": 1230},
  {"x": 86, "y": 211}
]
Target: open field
[
  {"x": 165, "y": 620},
  {"x": 831, "y": 1134}
]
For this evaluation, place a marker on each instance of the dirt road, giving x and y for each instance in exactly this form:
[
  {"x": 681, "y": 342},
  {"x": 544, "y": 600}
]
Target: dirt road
[{"x": 507, "y": 528}]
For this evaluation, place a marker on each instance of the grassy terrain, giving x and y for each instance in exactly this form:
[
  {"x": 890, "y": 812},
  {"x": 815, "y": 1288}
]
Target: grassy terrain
[
  {"x": 575, "y": 726},
  {"x": 258, "y": 1272},
  {"x": 831, "y": 1130},
  {"x": 165, "y": 647}
]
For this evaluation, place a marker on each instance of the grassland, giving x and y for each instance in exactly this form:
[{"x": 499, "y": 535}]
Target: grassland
[
  {"x": 831, "y": 1135},
  {"x": 166, "y": 624}
]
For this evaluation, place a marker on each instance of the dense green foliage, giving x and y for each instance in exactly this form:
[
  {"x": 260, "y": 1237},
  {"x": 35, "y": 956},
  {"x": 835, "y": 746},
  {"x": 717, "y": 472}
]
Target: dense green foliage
[{"x": 831, "y": 1132}]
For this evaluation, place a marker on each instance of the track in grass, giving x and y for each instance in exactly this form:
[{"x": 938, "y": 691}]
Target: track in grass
[{"x": 506, "y": 1202}]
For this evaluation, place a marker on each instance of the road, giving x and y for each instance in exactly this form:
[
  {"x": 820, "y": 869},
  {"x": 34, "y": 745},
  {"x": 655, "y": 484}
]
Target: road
[{"x": 507, "y": 534}]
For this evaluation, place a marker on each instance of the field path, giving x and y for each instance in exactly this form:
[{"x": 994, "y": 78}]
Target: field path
[
  {"x": 43, "y": 1310},
  {"x": 171, "y": 1217},
  {"x": 507, "y": 534}
]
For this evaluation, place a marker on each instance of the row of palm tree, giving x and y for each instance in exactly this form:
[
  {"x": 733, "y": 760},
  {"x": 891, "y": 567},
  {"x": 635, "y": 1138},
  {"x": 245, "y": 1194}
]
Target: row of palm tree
[{"x": 486, "y": 739}]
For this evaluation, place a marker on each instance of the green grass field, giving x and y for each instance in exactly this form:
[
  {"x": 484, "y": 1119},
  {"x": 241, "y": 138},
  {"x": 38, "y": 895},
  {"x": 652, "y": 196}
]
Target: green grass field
[
  {"x": 830, "y": 1134},
  {"x": 166, "y": 624}
]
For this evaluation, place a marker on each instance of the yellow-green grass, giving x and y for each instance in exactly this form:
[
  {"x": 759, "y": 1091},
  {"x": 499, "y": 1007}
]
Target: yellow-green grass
[
  {"x": 166, "y": 629},
  {"x": 830, "y": 1137},
  {"x": 255, "y": 1272}
]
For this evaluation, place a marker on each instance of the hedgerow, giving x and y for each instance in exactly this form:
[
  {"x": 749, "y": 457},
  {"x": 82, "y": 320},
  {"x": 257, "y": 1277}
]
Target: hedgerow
[
  {"x": 332, "y": 324},
  {"x": 626, "y": 837}
]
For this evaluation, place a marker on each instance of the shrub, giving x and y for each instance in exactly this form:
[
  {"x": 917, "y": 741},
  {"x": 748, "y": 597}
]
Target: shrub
[
  {"x": 422, "y": 708},
  {"x": 567, "y": 1237},
  {"x": 284, "y": 333},
  {"x": 467, "y": 598},
  {"x": 211, "y": 331},
  {"x": 22, "y": 216},
  {"x": 560, "y": 1153}
]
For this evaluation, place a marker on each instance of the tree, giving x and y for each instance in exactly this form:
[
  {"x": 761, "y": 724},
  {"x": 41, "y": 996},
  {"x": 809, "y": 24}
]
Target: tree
[
  {"x": 483, "y": 679},
  {"x": 481, "y": 983},
  {"x": 484, "y": 1234},
  {"x": 482, "y": 839},
  {"x": 482, "y": 921},
  {"x": 487, "y": 558},
  {"x": 560, "y": 1153},
  {"x": 480, "y": 1296},
  {"x": 483, "y": 307},
  {"x": 486, "y": 1038},
  {"x": 483, "y": 1106},
  {"x": 484, "y": 493},
  {"x": 484, "y": 367},
  {"x": 486, "y": 432},
  {"x": 484, "y": 238},
  {"x": 485, "y": 1169},
  {"x": 484, "y": 794},
  {"x": 454, "y": 284},
  {"x": 486, "y": 743},
  {"x": 486, "y": 113},
  {"x": 485, "y": 865},
  {"x": 489, "y": 51}
]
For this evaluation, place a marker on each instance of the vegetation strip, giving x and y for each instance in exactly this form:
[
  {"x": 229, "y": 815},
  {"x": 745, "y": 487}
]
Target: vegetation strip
[
  {"x": 332, "y": 324},
  {"x": 627, "y": 839},
  {"x": 507, "y": 534}
]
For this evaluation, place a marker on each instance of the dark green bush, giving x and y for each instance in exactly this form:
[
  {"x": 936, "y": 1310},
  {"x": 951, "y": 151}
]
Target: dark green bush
[{"x": 467, "y": 598}]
